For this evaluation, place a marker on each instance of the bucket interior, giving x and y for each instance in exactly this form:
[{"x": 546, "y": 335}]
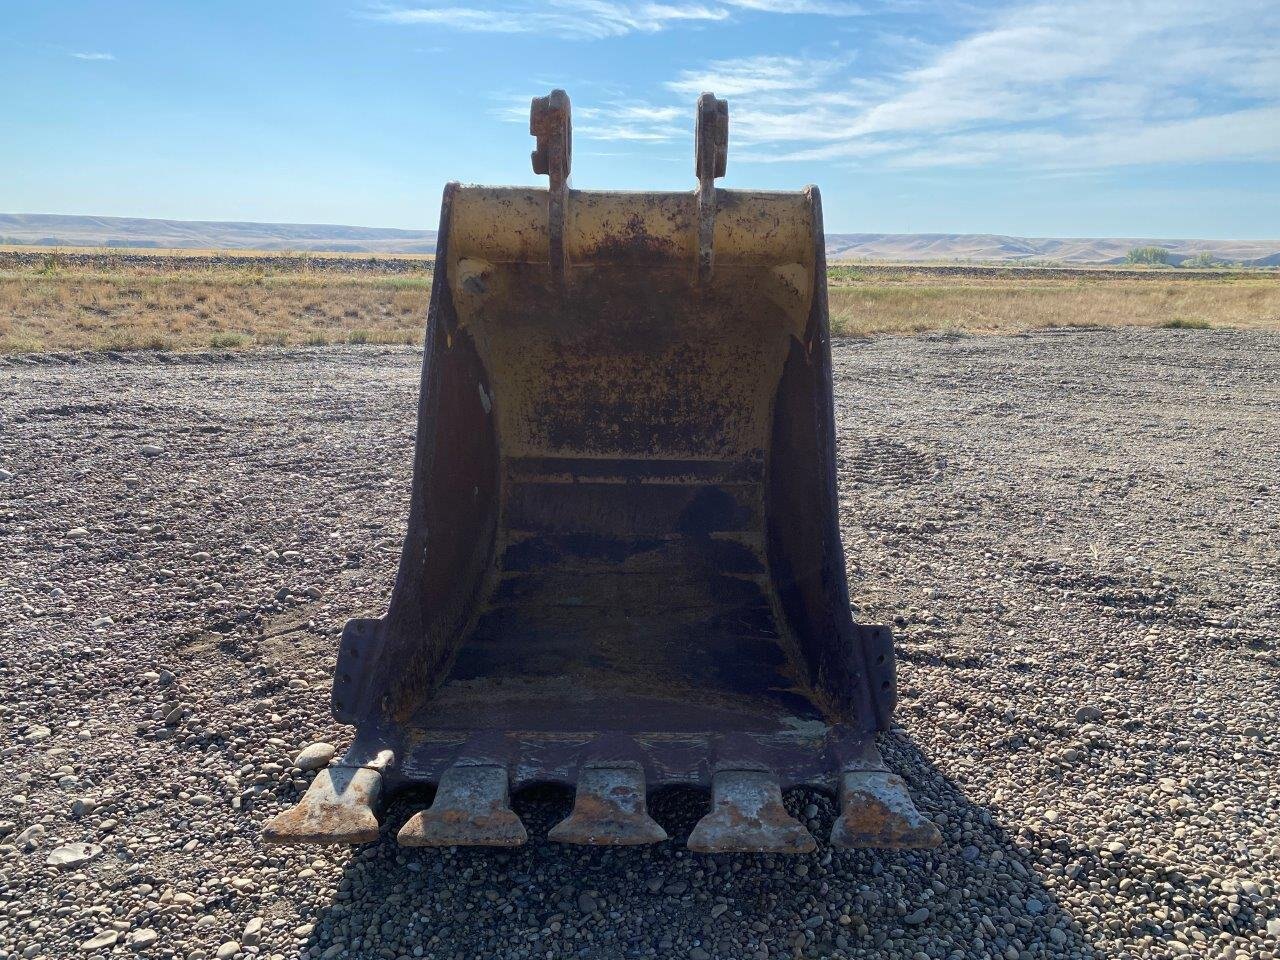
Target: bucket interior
[{"x": 630, "y": 417}]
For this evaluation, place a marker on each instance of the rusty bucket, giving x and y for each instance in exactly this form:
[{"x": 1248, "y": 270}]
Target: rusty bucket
[{"x": 623, "y": 565}]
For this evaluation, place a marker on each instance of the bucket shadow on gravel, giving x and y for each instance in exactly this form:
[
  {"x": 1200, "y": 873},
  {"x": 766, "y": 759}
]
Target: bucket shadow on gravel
[{"x": 983, "y": 896}]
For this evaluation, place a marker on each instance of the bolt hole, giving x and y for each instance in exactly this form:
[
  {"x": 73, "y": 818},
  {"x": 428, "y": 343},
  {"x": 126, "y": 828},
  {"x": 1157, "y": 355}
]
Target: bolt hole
[
  {"x": 885, "y": 686},
  {"x": 880, "y": 659}
]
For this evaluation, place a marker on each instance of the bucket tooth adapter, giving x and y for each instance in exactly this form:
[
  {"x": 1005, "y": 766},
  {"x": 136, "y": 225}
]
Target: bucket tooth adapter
[{"x": 623, "y": 566}]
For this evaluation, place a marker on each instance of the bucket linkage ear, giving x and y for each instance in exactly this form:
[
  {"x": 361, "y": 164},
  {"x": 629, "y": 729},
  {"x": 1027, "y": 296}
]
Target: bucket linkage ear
[
  {"x": 711, "y": 156},
  {"x": 550, "y": 121}
]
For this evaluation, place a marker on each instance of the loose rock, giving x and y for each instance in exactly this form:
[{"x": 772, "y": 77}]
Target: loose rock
[
  {"x": 31, "y": 837},
  {"x": 73, "y": 855},
  {"x": 100, "y": 941},
  {"x": 316, "y": 756}
]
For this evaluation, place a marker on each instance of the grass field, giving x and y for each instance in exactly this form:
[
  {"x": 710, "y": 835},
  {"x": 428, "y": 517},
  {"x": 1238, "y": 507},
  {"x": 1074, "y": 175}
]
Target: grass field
[
  {"x": 238, "y": 300},
  {"x": 226, "y": 307},
  {"x": 912, "y": 303}
]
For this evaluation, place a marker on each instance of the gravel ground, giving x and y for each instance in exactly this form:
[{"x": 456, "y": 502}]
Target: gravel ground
[{"x": 1076, "y": 534}]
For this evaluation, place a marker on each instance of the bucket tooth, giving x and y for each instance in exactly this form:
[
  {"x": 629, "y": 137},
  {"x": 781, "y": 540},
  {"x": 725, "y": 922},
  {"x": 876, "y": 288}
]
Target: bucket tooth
[
  {"x": 747, "y": 816},
  {"x": 471, "y": 809},
  {"x": 609, "y": 809},
  {"x": 338, "y": 807},
  {"x": 876, "y": 810}
]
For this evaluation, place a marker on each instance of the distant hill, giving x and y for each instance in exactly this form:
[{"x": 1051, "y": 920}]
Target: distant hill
[
  {"x": 918, "y": 247},
  {"x": 50, "y": 230},
  {"x": 53, "y": 230}
]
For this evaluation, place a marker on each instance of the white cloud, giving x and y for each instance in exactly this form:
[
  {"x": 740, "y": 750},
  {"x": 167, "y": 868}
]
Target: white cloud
[
  {"x": 1047, "y": 60},
  {"x": 1080, "y": 83},
  {"x": 755, "y": 75},
  {"x": 770, "y": 88},
  {"x": 94, "y": 56},
  {"x": 571, "y": 19},
  {"x": 1252, "y": 134},
  {"x": 597, "y": 19},
  {"x": 817, "y": 7},
  {"x": 1049, "y": 86},
  {"x": 637, "y": 122},
  {"x": 612, "y": 118},
  {"x": 461, "y": 18}
]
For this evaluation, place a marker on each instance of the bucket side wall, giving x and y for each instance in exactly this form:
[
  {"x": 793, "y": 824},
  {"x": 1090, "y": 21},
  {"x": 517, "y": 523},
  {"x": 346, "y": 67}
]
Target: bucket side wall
[
  {"x": 806, "y": 555},
  {"x": 447, "y": 554}
]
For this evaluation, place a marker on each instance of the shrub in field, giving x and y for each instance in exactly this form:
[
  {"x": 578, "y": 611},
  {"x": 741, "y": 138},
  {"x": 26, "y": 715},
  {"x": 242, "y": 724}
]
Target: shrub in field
[
  {"x": 1201, "y": 261},
  {"x": 1147, "y": 255}
]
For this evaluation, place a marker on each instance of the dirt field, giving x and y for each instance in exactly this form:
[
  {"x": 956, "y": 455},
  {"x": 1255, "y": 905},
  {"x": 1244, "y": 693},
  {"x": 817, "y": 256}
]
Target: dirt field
[
  {"x": 1075, "y": 534},
  {"x": 239, "y": 300}
]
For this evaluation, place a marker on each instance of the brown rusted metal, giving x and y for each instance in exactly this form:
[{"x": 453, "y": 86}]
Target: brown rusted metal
[
  {"x": 609, "y": 809},
  {"x": 340, "y": 805},
  {"x": 876, "y": 810},
  {"x": 623, "y": 548},
  {"x": 747, "y": 816},
  {"x": 711, "y": 158},
  {"x": 551, "y": 122},
  {"x": 471, "y": 808}
]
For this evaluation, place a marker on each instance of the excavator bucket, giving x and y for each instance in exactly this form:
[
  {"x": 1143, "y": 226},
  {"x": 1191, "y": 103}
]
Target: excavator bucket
[{"x": 623, "y": 566}]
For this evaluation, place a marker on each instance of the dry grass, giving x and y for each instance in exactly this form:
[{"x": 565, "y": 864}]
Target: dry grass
[
  {"x": 51, "y": 306},
  {"x": 226, "y": 307},
  {"x": 199, "y": 253},
  {"x": 975, "y": 305}
]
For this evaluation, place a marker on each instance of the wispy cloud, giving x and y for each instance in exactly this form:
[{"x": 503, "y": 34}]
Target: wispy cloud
[
  {"x": 597, "y": 19},
  {"x": 571, "y": 19},
  {"x": 755, "y": 75},
  {"x": 94, "y": 56},
  {"x": 769, "y": 87},
  {"x": 817, "y": 7},
  {"x": 1252, "y": 134},
  {"x": 1084, "y": 83},
  {"x": 1074, "y": 84},
  {"x": 637, "y": 122},
  {"x": 611, "y": 118},
  {"x": 1046, "y": 86},
  {"x": 460, "y": 18}
]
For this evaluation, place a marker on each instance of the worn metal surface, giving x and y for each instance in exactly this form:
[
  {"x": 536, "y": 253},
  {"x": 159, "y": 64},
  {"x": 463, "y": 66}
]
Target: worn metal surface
[
  {"x": 747, "y": 816},
  {"x": 609, "y": 809},
  {"x": 338, "y": 807},
  {"x": 471, "y": 808},
  {"x": 710, "y": 160},
  {"x": 623, "y": 520},
  {"x": 876, "y": 811},
  {"x": 551, "y": 124}
]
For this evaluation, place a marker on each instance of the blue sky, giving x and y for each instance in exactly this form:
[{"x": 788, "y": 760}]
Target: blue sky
[{"x": 1066, "y": 118}]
